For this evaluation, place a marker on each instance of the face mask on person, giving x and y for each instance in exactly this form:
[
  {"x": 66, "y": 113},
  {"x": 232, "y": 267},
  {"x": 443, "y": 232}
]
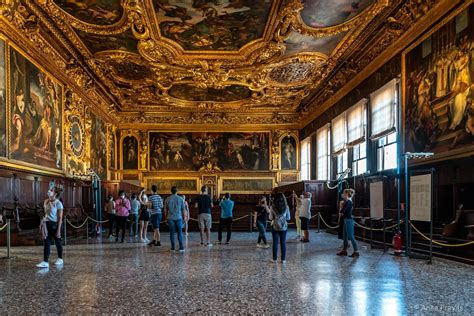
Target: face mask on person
[
  {"x": 122, "y": 196},
  {"x": 301, "y": 196}
]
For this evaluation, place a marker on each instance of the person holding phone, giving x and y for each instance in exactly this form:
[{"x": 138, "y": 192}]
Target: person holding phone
[
  {"x": 260, "y": 217},
  {"x": 144, "y": 215},
  {"x": 122, "y": 208},
  {"x": 227, "y": 206}
]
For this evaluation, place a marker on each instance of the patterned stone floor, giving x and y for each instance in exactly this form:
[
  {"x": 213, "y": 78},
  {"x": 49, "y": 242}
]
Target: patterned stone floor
[{"x": 132, "y": 278}]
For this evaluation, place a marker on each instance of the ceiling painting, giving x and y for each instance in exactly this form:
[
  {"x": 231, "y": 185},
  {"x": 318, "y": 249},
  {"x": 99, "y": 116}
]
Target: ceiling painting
[
  {"x": 98, "y": 43},
  {"x": 98, "y": 12},
  {"x": 299, "y": 43},
  {"x": 192, "y": 93}
]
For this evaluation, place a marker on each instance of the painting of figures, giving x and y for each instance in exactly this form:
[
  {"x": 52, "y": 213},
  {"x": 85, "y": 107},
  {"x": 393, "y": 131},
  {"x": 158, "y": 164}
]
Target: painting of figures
[
  {"x": 288, "y": 153},
  {"x": 112, "y": 148},
  {"x": 223, "y": 151},
  {"x": 326, "y": 13},
  {"x": 99, "y": 12},
  {"x": 439, "y": 88},
  {"x": 165, "y": 185},
  {"x": 130, "y": 153},
  {"x": 192, "y": 93},
  {"x": 3, "y": 101},
  {"x": 36, "y": 114},
  {"x": 212, "y": 24},
  {"x": 99, "y": 147}
]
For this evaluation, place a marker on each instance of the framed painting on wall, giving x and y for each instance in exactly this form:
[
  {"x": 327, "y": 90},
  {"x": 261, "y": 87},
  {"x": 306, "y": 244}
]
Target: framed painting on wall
[
  {"x": 247, "y": 185},
  {"x": 184, "y": 185},
  {"x": 3, "y": 100},
  {"x": 288, "y": 153},
  {"x": 438, "y": 87},
  {"x": 99, "y": 147},
  {"x": 129, "y": 153},
  {"x": 36, "y": 114},
  {"x": 219, "y": 150}
]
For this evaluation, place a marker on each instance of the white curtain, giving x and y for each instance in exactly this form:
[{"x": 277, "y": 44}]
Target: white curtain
[
  {"x": 383, "y": 106},
  {"x": 355, "y": 118},
  {"x": 322, "y": 153},
  {"x": 338, "y": 134}
]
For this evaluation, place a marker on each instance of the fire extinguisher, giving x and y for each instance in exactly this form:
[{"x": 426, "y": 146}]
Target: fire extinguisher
[{"x": 397, "y": 243}]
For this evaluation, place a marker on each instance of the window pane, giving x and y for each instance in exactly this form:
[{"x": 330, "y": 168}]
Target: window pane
[
  {"x": 355, "y": 152},
  {"x": 380, "y": 159},
  {"x": 356, "y": 122},
  {"x": 392, "y": 138},
  {"x": 390, "y": 159},
  {"x": 363, "y": 150},
  {"x": 338, "y": 130},
  {"x": 361, "y": 166},
  {"x": 383, "y": 102}
]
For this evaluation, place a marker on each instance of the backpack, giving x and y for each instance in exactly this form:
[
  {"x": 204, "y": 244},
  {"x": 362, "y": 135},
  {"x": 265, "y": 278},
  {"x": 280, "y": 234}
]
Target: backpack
[{"x": 279, "y": 222}]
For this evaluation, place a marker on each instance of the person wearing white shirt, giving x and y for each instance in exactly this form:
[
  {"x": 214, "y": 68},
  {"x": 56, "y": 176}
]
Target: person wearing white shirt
[{"x": 304, "y": 213}]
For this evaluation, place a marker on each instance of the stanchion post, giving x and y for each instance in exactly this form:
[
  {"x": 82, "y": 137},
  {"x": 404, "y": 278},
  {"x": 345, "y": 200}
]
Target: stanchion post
[
  {"x": 8, "y": 238},
  {"x": 65, "y": 231},
  {"x": 319, "y": 222},
  {"x": 371, "y": 233},
  {"x": 251, "y": 222},
  {"x": 87, "y": 229},
  {"x": 383, "y": 232}
]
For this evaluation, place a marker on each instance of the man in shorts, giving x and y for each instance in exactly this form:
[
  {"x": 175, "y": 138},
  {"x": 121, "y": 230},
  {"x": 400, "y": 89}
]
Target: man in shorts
[
  {"x": 156, "y": 214},
  {"x": 204, "y": 205}
]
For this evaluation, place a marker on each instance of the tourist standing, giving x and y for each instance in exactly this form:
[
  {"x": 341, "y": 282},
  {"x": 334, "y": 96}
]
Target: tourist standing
[
  {"x": 122, "y": 208},
  {"x": 135, "y": 208},
  {"x": 279, "y": 215},
  {"x": 260, "y": 217},
  {"x": 297, "y": 214},
  {"x": 187, "y": 215},
  {"x": 304, "y": 213},
  {"x": 204, "y": 206},
  {"x": 175, "y": 212},
  {"x": 144, "y": 215},
  {"x": 156, "y": 214},
  {"x": 348, "y": 232},
  {"x": 227, "y": 206},
  {"x": 51, "y": 227},
  {"x": 110, "y": 209}
]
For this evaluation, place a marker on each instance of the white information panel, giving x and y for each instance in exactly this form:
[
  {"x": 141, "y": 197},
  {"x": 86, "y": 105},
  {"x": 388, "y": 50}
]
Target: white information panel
[
  {"x": 420, "y": 198},
  {"x": 376, "y": 199}
]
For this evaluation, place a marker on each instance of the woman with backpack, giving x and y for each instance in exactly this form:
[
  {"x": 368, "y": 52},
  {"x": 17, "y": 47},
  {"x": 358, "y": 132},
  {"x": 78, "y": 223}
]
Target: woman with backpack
[
  {"x": 279, "y": 214},
  {"x": 144, "y": 217}
]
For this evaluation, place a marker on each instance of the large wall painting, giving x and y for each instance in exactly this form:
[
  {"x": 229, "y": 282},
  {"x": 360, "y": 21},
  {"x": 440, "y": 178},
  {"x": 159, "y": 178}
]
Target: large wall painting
[
  {"x": 288, "y": 156},
  {"x": 212, "y": 25},
  {"x": 439, "y": 88},
  {"x": 224, "y": 151},
  {"x": 3, "y": 101},
  {"x": 247, "y": 185},
  {"x": 36, "y": 120},
  {"x": 183, "y": 185},
  {"x": 112, "y": 148},
  {"x": 130, "y": 153},
  {"x": 99, "y": 147}
]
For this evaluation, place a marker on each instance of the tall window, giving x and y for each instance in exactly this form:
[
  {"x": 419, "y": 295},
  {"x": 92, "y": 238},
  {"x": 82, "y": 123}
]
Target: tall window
[
  {"x": 356, "y": 133},
  {"x": 338, "y": 133},
  {"x": 323, "y": 151},
  {"x": 305, "y": 159},
  {"x": 384, "y": 104}
]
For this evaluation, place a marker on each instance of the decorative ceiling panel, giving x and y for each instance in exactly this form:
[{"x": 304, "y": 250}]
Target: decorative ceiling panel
[
  {"x": 212, "y": 25},
  {"x": 230, "y": 60}
]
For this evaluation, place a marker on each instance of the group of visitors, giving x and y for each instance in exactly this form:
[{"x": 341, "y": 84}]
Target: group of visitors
[{"x": 144, "y": 209}]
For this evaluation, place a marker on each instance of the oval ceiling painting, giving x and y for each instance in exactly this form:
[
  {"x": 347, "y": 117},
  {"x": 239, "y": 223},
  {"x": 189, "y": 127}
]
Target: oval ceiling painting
[
  {"x": 326, "y": 13},
  {"x": 212, "y": 25},
  {"x": 192, "y": 93},
  {"x": 98, "y": 12}
]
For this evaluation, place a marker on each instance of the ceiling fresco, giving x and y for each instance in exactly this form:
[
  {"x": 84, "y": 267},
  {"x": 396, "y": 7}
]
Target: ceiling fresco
[
  {"x": 100, "y": 12},
  {"x": 326, "y": 13},
  {"x": 212, "y": 25},
  {"x": 190, "y": 61}
]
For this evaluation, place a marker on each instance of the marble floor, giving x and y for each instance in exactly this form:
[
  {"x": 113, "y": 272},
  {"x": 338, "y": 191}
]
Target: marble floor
[{"x": 133, "y": 278}]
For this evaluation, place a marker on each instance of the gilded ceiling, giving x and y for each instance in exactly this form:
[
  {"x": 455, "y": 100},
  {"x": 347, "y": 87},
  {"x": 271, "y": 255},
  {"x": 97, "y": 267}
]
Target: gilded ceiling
[{"x": 216, "y": 61}]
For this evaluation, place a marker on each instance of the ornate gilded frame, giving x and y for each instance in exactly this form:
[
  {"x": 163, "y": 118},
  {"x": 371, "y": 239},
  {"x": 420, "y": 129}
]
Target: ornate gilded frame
[{"x": 223, "y": 178}]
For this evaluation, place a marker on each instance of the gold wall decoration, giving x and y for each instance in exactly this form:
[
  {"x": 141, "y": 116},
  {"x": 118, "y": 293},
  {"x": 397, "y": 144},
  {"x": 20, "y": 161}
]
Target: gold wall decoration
[{"x": 247, "y": 185}]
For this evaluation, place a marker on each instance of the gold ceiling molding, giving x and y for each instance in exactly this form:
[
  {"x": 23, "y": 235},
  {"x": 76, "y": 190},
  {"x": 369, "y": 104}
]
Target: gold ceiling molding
[{"x": 414, "y": 17}]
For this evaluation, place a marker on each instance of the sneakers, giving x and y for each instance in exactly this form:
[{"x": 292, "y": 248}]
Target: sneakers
[
  {"x": 43, "y": 264},
  {"x": 259, "y": 246},
  {"x": 210, "y": 245},
  {"x": 158, "y": 243},
  {"x": 218, "y": 243},
  {"x": 142, "y": 240},
  {"x": 265, "y": 246},
  {"x": 283, "y": 262},
  {"x": 273, "y": 261},
  {"x": 151, "y": 243},
  {"x": 355, "y": 254},
  {"x": 227, "y": 242},
  {"x": 59, "y": 262},
  {"x": 181, "y": 250}
]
